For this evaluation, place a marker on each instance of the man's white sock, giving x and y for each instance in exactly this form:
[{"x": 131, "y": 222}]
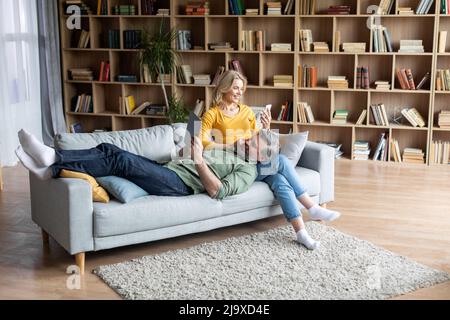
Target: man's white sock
[
  {"x": 43, "y": 155},
  {"x": 43, "y": 173},
  {"x": 318, "y": 213},
  {"x": 305, "y": 239}
]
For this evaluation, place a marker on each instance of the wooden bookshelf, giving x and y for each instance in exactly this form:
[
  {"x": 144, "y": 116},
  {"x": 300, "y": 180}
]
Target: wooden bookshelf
[{"x": 261, "y": 66}]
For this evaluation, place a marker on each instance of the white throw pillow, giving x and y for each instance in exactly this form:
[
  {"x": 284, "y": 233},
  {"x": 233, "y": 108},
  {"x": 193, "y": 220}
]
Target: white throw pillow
[{"x": 292, "y": 145}]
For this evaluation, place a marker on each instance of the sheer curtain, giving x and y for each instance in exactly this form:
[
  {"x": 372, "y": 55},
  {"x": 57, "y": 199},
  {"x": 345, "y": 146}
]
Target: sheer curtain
[{"x": 19, "y": 77}]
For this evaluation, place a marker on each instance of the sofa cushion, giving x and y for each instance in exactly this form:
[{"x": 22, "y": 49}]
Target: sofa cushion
[
  {"x": 98, "y": 193},
  {"x": 155, "y": 143},
  {"x": 152, "y": 212},
  {"x": 260, "y": 195},
  {"x": 122, "y": 189}
]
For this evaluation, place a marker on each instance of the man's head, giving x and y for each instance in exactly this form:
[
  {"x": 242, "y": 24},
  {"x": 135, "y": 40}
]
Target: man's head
[{"x": 261, "y": 147}]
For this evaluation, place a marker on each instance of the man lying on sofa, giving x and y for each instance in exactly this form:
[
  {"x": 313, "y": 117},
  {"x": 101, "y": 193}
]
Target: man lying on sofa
[{"x": 218, "y": 173}]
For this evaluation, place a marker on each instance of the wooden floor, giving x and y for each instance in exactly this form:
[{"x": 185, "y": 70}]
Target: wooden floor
[{"x": 403, "y": 209}]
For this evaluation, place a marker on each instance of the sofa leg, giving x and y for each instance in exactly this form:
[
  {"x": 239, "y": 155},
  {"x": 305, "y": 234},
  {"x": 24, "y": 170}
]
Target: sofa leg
[
  {"x": 79, "y": 260},
  {"x": 45, "y": 238},
  {"x": 324, "y": 205}
]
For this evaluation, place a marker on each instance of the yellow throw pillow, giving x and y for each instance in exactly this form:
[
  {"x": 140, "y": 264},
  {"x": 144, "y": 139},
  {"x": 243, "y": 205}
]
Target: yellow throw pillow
[{"x": 98, "y": 193}]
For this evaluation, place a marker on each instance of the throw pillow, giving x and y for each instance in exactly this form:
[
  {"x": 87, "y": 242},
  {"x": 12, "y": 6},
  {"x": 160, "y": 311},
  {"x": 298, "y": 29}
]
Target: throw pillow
[
  {"x": 122, "y": 189},
  {"x": 292, "y": 145},
  {"x": 98, "y": 193}
]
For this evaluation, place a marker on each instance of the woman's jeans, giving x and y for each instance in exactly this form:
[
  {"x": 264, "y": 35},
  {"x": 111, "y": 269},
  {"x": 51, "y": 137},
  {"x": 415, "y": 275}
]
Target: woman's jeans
[
  {"x": 285, "y": 185},
  {"x": 109, "y": 160}
]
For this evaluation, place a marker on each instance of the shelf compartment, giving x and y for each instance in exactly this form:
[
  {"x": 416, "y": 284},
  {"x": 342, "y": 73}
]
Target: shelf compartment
[
  {"x": 276, "y": 64},
  {"x": 354, "y": 102},
  {"x": 203, "y": 63},
  {"x": 441, "y": 102},
  {"x": 141, "y": 94},
  {"x": 99, "y": 32},
  {"x": 320, "y": 103},
  {"x": 396, "y": 101},
  {"x": 154, "y": 121},
  {"x": 414, "y": 3},
  {"x": 158, "y": 4},
  {"x": 353, "y": 30},
  {"x": 197, "y": 28},
  {"x": 85, "y": 59},
  {"x": 419, "y": 66},
  {"x": 262, "y": 97},
  {"x": 125, "y": 63},
  {"x": 223, "y": 30},
  {"x": 341, "y": 65},
  {"x": 410, "y": 139},
  {"x": 190, "y": 94},
  {"x": 70, "y": 38},
  {"x": 250, "y": 66},
  {"x": 90, "y": 122},
  {"x": 372, "y": 135},
  {"x": 248, "y": 4},
  {"x": 106, "y": 98},
  {"x": 275, "y": 29},
  {"x": 127, "y": 123},
  {"x": 72, "y": 91},
  {"x": 379, "y": 68},
  {"x": 321, "y": 29}
]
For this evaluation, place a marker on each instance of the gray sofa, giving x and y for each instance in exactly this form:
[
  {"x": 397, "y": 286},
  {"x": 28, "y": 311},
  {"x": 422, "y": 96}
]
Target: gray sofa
[{"x": 64, "y": 210}]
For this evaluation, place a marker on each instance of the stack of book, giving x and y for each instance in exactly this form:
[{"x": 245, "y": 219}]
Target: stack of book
[
  {"x": 413, "y": 155},
  {"x": 184, "y": 74},
  {"x": 411, "y": 46},
  {"x": 336, "y": 146},
  {"x": 236, "y": 7},
  {"x": 282, "y": 80},
  {"x": 83, "y": 103},
  {"x": 444, "y": 119},
  {"x": 83, "y": 39},
  {"x": 253, "y": 40},
  {"x": 128, "y": 78},
  {"x": 382, "y": 41},
  {"x": 405, "y": 79},
  {"x": 163, "y": 12},
  {"x": 443, "y": 80},
  {"x": 307, "y": 7},
  {"x": 405, "y": 11},
  {"x": 385, "y": 7},
  {"x": 219, "y": 72},
  {"x": 156, "y": 110},
  {"x": 82, "y": 74},
  {"x": 307, "y": 76},
  {"x": 362, "y": 117},
  {"x": 273, "y": 8},
  {"x": 362, "y": 78},
  {"x": 132, "y": 39},
  {"x": 306, "y": 40},
  {"x": 84, "y": 8},
  {"x": 414, "y": 117},
  {"x": 338, "y": 9},
  {"x": 281, "y": 47},
  {"x": 395, "y": 150},
  {"x": 202, "y": 79},
  {"x": 184, "y": 40},
  {"x": 379, "y": 114},
  {"x": 199, "y": 108},
  {"x": 354, "y": 47},
  {"x": 337, "y": 82},
  {"x": 340, "y": 116},
  {"x": 197, "y": 8},
  {"x": 321, "y": 47},
  {"x": 125, "y": 10},
  {"x": 305, "y": 114},
  {"x": 424, "y": 6},
  {"x": 382, "y": 85},
  {"x": 251, "y": 12},
  {"x": 361, "y": 150},
  {"x": 236, "y": 66},
  {"x": 286, "y": 113},
  {"x": 381, "y": 152},
  {"x": 113, "y": 39},
  {"x": 221, "y": 45},
  {"x": 440, "y": 152},
  {"x": 148, "y": 7}
]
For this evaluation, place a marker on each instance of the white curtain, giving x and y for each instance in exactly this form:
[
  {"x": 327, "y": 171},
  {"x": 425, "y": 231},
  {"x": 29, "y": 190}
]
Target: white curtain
[{"x": 19, "y": 75}]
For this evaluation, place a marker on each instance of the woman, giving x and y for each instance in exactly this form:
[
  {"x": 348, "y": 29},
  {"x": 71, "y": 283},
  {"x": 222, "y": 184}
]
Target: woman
[{"x": 228, "y": 122}]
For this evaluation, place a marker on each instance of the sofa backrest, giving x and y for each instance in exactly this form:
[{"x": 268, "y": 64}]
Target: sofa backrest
[{"x": 156, "y": 143}]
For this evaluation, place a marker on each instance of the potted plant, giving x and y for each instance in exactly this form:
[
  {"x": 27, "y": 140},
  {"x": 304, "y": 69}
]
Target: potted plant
[
  {"x": 159, "y": 56},
  {"x": 177, "y": 111}
]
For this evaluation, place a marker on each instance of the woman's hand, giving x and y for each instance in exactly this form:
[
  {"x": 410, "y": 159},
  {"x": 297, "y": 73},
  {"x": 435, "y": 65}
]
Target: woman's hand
[
  {"x": 266, "y": 118},
  {"x": 197, "y": 150}
]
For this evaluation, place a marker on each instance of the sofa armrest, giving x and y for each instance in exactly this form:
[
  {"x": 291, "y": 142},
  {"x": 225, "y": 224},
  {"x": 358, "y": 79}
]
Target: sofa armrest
[
  {"x": 320, "y": 158},
  {"x": 64, "y": 209}
]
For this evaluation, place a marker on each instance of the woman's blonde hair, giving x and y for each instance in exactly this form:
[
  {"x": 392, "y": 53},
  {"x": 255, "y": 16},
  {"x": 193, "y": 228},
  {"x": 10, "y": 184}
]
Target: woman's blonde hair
[{"x": 224, "y": 85}]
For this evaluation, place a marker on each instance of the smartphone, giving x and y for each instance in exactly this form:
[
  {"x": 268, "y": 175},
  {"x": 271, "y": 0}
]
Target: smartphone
[{"x": 268, "y": 107}]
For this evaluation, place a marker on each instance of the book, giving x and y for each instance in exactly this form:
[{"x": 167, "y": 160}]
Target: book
[
  {"x": 442, "y": 41},
  {"x": 141, "y": 108},
  {"x": 199, "y": 107},
  {"x": 423, "y": 81},
  {"x": 362, "y": 117}
]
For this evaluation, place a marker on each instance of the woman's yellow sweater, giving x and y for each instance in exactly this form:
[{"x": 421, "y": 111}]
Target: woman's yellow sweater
[{"x": 220, "y": 128}]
